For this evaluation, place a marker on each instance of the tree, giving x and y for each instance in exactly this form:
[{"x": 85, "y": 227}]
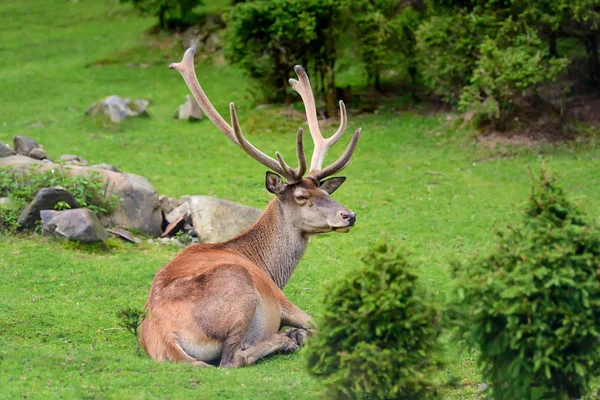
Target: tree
[
  {"x": 267, "y": 38},
  {"x": 377, "y": 333},
  {"x": 532, "y": 306},
  {"x": 168, "y": 12}
]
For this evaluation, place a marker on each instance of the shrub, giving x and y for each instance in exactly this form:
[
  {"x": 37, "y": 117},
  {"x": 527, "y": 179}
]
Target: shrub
[
  {"x": 515, "y": 61},
  {"x": 168, "y": 12},
  {"x": 267, "y": 38},
  {"x": 447, "y": 49},
  {"x": 131, "y": 318},
  {"x": 385, "y": 31},
  {"x": 532, "y": 306},
  {"x": 376, "y": 332},
  {"x": 22, "y": 188}
]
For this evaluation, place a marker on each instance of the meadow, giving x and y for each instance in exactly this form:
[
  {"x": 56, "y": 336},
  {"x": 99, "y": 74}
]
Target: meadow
[{"x": 418, "y": 179}]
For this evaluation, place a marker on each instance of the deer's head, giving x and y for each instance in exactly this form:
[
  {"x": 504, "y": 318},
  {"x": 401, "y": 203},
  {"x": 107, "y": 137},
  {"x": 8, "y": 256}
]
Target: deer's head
[{"x": 305, "y": 201}]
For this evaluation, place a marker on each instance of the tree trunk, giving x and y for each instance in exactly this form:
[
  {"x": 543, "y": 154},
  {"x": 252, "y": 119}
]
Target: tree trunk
[
  {"x": 377, "y": 82},
  {"x": 161, "y": 18},
  {"x": 591, "y": 47},
  {"x": 553, "y": 49}
]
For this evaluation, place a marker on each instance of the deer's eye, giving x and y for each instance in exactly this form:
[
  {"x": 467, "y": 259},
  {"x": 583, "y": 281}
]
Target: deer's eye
[{"x": 301, "y": 198}]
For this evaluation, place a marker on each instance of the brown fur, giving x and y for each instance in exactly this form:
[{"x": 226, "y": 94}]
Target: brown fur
[{"x": 225, "y": 301}]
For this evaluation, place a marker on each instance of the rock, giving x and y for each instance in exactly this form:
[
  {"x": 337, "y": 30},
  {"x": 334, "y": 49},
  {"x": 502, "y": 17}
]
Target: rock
[
  {"x": 45, "y": 199},
  {"x": 174, "y": 227},
  {"x": 107, "y": 167},
  {"x": 5, "y": 202},
  {"x": 38, "y": 153},
  {"x": 6, "y": 151},
  {"x": 190, "y": 109},
  {"x": 138, "y": 208},
  {"x": 118, "y": 108},
  {"x": 182, "y": 210},
  {"x": 482, "y": 386},
  {"x": 73, "y": 159},
  {"x": 123, "y": 234},
  {"x": 23, "y": 145},
  {"x": 168, "y": 204},
  {"x": 80, "y": 225},
  {"x": 216, "y": 220},
  {"x": 205, "y": 36},
  {"x": 189, "y": 229}
]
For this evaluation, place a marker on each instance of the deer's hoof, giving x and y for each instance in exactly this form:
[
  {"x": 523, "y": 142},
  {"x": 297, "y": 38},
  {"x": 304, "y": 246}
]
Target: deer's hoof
[{"x": 298, "y": 335}]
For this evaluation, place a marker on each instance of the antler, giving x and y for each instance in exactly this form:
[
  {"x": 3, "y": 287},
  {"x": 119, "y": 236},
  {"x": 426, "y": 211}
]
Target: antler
[
  {"x": 186, "y": 69},
  {"x": 321, "y": 144}
]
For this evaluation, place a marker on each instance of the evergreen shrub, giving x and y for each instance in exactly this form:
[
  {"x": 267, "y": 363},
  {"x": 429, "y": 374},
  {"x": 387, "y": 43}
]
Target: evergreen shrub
[
  {"x": 377, "y": 332},
  {"x": 532, "y": 306}
]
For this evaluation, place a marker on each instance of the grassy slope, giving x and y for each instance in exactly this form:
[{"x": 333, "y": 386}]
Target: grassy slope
[{"x": 58, "y": 333}]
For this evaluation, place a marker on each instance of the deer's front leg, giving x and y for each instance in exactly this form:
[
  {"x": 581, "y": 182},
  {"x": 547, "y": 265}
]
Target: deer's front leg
[{"x": 301, "y": 323}]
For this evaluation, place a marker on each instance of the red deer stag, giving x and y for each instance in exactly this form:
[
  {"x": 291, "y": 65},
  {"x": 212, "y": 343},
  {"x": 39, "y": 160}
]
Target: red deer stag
[{"x": 224, "y": 300}]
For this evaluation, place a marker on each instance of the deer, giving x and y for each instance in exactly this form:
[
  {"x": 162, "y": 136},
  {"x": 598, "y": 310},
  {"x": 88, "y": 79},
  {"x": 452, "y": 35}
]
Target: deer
[{"x": 222, "y": 303}]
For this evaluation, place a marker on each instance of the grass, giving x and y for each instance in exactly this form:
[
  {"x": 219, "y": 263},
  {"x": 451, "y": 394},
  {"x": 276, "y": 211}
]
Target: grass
[{"x": 59, "y": 337}]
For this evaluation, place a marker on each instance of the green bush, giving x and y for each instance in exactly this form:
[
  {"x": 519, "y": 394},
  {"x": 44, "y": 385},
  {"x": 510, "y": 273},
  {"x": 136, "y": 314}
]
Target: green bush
[
  {"x": 267, "y": 38},
  {"x": 170, "y": 13},
  {"x": 22, "y": 188},
  {"x": 447, "y": 50},
  {"x": 532, "y": 306},
  {"x": 385, "y": 34},
  {"x": 376, "y": 332},
  {"x": 515, "y": 61}
]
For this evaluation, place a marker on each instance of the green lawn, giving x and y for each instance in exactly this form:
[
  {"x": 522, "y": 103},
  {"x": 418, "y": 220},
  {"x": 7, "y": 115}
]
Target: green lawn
[{"x": 59, "y": 336}]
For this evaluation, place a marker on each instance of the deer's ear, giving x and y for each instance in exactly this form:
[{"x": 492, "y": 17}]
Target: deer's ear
[
  {"x": 274, "y": 183},
  {"x": 332, "y": 184}
]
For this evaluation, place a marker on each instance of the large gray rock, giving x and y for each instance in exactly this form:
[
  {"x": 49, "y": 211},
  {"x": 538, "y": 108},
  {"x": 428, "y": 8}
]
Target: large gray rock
[
  {"x": 118, "y": 108},
  {"x": 6, "y": 151},
  {"x": 80, "y": 225},
  {"x": 190, "y": 109},
  {"x": 138, "y": 209},
  {"x": 45, "y": 199},
  {"x": 23, "y": 145},
  {"x": 181, "y": 211},
  {"x": 216, "y": 220}
]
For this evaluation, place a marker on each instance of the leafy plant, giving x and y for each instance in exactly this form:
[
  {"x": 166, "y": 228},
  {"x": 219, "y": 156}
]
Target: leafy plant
[
  {"x": 168, "y": 12},
  {"x": 267, "y": 38},
  {"x": 508, "y": 65},
  {"x": 447, "y": 49},
  {"x": 385, "y": 33},
  {"x": 377, "y": 332},
  {"x": 21, "y": 188},
  {"x": 62, "y": 205},
  {"x": 130, "y": 318},
  {"x": 532, "y": 306}
]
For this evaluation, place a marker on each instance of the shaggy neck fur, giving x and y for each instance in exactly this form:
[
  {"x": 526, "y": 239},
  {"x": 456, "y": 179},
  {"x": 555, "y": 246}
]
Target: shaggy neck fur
[{"x": 273, "y": 244}]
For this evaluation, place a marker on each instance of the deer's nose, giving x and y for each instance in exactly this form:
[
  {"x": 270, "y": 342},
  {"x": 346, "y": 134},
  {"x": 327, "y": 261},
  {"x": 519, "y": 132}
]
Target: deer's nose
[{"x": 349, "y": 217}]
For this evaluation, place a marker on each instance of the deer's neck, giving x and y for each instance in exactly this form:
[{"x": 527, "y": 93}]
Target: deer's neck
[{"x": 272, "y": 244}]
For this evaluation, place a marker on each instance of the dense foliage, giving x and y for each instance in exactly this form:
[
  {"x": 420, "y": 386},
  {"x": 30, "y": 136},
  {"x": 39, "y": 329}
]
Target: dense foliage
[
  {"x": 532, "y": 307},
  {"x": 508, "y": 65},
  {"x": 488, "y": 54},
  {"x": 20, "y": 189},
  {"x": 376, "y": 333},
  {"x": 268, "y": 38},
  {"x": 170, "y": 13}
]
